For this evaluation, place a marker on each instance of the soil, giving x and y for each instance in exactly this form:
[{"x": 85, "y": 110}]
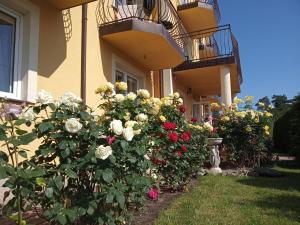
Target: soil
[{"x": 151, "y": 210}]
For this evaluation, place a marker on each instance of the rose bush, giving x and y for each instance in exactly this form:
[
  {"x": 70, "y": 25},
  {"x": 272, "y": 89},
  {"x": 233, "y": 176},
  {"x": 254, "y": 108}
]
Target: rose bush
[
  {"x": 245, "y": 131},
  {"x": 177, "y": 154},
  {"x": 94, "y": 167}
]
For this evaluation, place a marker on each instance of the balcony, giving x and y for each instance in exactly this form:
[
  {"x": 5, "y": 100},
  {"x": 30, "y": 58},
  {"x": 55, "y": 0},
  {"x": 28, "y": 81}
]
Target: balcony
[
  {"x": 66, "y": 4},
  {"x": 144, "y": 31},
  {"x": 211, "y": 49},
  {"x": 198, "y": 14}
]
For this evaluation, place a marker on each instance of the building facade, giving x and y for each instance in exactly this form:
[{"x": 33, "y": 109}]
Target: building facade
[{"x": 164, "y": 46}]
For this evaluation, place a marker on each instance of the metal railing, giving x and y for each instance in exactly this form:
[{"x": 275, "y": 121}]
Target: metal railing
[
  {"x": 156, "y": 11},
  {"x": 213, "y": 3},
  {"x": 211, "y": 44}
]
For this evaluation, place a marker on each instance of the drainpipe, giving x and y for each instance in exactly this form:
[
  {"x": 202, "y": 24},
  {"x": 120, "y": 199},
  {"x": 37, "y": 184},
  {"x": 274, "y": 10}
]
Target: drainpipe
[{"x": 83, "y": 52}]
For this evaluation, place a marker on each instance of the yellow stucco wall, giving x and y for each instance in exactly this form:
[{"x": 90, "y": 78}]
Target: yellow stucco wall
[
  {"x": 59, "y": 61},
  {"x": 188, "y": 98}
]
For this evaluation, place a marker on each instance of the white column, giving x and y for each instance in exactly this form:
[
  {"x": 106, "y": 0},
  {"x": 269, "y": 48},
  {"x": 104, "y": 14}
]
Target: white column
[
  {"x": 225, "y": 85},
  {"x": 168, "y": 82}
]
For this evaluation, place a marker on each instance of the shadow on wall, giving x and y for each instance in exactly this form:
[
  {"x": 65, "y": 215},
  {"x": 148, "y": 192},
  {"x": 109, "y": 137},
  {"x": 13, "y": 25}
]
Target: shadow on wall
[{"x": 55, "y": 32}]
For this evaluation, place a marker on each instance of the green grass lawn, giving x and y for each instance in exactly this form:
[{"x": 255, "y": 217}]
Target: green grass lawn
[{"x": 239, "y": 201}]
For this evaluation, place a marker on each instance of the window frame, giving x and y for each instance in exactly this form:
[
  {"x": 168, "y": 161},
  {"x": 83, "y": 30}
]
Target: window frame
[
  {"x": 126, "y": 75},
  {"x": 16, "y": 84}
]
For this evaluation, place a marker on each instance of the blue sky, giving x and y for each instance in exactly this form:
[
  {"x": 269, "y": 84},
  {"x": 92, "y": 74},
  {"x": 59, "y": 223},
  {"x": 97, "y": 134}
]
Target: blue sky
[{"x": 268, "y": 32}]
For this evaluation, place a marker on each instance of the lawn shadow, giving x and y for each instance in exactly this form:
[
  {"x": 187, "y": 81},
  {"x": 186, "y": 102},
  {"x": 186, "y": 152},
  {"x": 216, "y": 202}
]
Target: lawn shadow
[
  {"x": 289, "y": 182},
  {"x": 289, "y": 206}
]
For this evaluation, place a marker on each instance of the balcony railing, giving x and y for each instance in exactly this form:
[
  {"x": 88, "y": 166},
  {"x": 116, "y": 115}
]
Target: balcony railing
[
  {"x": 154, "y": 11},
  {"x": 213, "y": 46},
  {"x": 213, "y": 3}
]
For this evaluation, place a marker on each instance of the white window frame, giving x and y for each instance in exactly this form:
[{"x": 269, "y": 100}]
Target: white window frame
[
  {"x": 29, "y": 16},
  {"x": 126, "y": 75},
  {"x": 128, "y": 70},
  {"x": 16, "y": 85}
]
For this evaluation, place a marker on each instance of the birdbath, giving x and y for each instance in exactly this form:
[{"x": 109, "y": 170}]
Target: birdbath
[{"x": 215, "y": 160}]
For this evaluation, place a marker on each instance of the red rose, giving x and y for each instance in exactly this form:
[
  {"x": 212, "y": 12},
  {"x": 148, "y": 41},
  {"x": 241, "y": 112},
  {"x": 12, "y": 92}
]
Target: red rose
[
  {"x": 179, "y": 154},
  {"x": 110, "y": 140},
  {"x": 186, "y": 136},
  {"x": 194, "y": 120},
  {"x": 173, "y": 137},
  {"x": 155, "y": 161},
  {"x": 182, "y": 108},
  {"x": 215, "y": 130},
  {"x": 169, "y": 126},
  {"x": 184, "y": 148},
  {"x": 161, "y": 135}
]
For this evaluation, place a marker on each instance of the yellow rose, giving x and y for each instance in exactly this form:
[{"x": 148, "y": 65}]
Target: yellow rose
[
  {"x": 225, "y": 118},
  {"x": 101, "y": 89},
  {"x": 122, "y": 86},
  {"x": 267, "y": 133},
  {"x": 249, "y": 98},
  {"x": 261, "y": 104},
  {"x": 162, "y": 118},
  {"x": 268, "y": 114},
  {"x": 266, "y": 128},
  {"x": 248, "y": 129},
  {"x": 237, "y": 100},
  {"x": 256, "y": 120}
]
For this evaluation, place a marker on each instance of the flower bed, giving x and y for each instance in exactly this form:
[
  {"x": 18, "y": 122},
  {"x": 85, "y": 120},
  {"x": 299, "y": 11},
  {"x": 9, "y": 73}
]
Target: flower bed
[{"x": 93, "y": 167}]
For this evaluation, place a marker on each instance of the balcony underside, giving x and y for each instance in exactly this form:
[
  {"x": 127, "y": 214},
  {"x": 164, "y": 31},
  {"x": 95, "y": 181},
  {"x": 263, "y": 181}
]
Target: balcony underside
[
  {"x": 148, "y": 43},
  {"x": 204, "y": 77},
  {"x": 66, "y": 4},
  {"x": 197, "y": 16}
]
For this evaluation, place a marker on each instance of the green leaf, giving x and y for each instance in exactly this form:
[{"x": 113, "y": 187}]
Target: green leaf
[
  {"x": 70, "y": 173},
  {"x": 40, "y": 182},
  {"x": 100, "y": 221},
  {"x": 71, "y": 214},
  {"x": 85, "y": 115},
  {"x": 2, "y": 134},
  {"x": 49, "y": 192},
  {"x": 109, "y": 198},
  {"x": 2, "y": 172},
  {"x": 3, "y": 156},
  {"x": 21, "y": 132},
  {"x": 58, "y": 182},
  {"x": 23, "y": 153},
  {"x": 90, "y": 210},
  {"x": 27, "y": 138},
  {"x": 45, "y": 126},
  {"x": 124, "y": 145},
  {"x": 120, "y": 199},
  {"x": 20, "y": 122},
  {"x": 108, "y": 175},
  {"x": 62, "y": 219}
]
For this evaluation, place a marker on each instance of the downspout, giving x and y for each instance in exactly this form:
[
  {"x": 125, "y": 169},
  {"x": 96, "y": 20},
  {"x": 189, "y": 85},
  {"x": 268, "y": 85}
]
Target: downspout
[{"x": 83, "y": 52}]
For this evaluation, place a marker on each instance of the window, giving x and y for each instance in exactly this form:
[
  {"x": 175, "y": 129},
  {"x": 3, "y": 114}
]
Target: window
[
  {"x": 8, "y": 59},
  {"x": 132, "y": 82}
]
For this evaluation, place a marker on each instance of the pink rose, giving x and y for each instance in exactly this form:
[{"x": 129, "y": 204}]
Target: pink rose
[{"x": 153, "y": 194}]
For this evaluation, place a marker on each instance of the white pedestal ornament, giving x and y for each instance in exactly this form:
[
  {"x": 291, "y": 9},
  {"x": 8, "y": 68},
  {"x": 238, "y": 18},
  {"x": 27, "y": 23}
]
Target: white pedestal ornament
[{"x": 215, "y": 156}]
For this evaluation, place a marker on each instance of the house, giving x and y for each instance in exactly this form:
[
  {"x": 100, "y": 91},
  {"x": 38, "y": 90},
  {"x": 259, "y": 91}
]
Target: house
[{"x": 164, "y": 46}]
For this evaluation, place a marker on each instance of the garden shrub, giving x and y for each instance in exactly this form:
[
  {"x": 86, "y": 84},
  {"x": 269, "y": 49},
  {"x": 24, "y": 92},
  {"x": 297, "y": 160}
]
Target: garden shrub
[
  {"x": 95, "y": 166},
  {"x": 245, "y": 132}
]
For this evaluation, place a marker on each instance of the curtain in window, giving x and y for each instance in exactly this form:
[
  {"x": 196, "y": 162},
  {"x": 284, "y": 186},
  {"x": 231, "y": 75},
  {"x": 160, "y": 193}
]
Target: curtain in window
[{"x": 7, "y": 33}]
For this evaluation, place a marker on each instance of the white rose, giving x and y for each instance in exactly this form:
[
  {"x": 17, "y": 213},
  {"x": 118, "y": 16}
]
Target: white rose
[
  {"x": 141, "y": 117},
  {"x": 70, "y": 99},
  {"x": 207, "y": 126},
  {"x": 110, "y": 86},
  {"x": 128, "y": 133},
  {"x": 116, "y": 127},
  {"x": 72, "y": 125},
  {"x": 176, "y": 95},
  {"x": 131, "y": 96},
  {"x": 44, "y": 97},
  {"x": 143, "y": 93},
  {"x": 103, "y": 152},
  {"x": 180, "y": 101},
  {"x": 29, "y": 115},
  {"x": 130, "y": 123},
  {"x": 119, "y": 98}
]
